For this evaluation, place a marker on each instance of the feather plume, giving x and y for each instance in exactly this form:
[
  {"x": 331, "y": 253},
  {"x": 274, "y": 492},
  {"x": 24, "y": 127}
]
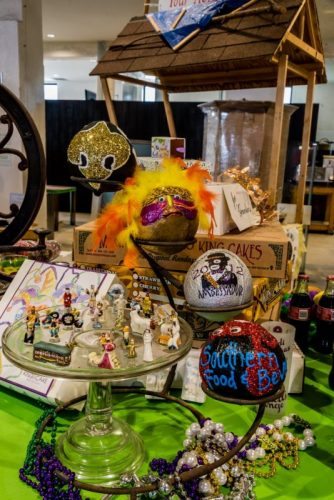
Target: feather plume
[{"x": 120, "y": 221}]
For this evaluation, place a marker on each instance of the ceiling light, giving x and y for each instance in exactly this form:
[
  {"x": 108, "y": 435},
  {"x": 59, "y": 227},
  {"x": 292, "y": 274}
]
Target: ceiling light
[{"x": 50, "y": 35}]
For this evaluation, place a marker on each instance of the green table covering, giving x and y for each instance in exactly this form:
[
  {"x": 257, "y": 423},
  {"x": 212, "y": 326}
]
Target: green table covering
[{"x": 162, "y": 426}]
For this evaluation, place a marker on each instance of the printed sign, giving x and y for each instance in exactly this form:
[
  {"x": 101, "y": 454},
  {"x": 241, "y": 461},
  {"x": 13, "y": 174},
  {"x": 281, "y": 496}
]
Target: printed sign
[{"x": 175, "y": 4}]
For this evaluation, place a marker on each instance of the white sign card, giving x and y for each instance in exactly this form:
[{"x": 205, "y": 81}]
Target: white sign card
[
  {"x": 177, "y": 4},
  {"x": 239, "y": 205},
  {"x": 43, "y": 285}
]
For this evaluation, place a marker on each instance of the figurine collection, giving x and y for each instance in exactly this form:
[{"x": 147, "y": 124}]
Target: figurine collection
[{"x": 118, "y": 332}]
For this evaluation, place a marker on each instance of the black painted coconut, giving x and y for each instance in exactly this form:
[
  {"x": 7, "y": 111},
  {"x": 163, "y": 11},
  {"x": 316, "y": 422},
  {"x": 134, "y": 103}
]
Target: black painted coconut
[{"x": 242, "y": 360}]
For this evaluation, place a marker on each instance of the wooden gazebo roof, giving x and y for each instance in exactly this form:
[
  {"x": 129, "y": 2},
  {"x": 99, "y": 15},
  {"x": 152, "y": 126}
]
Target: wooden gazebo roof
[
  {"x": 266, "y": 43},
  {"x": 240, "y": 50}
]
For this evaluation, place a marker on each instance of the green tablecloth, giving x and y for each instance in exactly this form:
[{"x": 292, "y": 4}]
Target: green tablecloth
[{"x": 162, "y": 426}]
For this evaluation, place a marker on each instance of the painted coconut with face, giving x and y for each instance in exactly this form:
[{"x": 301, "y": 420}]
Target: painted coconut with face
[
  {"x": 168, "y": 214},
  {"x": 164, "y": 206},
  {"x": 242, "y": 360},
  {"x": 218, "y": 280},
  {"x": 102, "y": 151}
]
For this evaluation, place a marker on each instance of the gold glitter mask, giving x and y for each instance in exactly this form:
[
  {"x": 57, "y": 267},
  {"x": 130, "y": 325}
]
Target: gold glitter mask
[{"x": 99, "y": 150}]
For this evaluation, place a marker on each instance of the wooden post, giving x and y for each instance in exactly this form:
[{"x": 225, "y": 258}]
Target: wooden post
[
  {"x": 169, "y": 114},
  {"x": 277, "y": 127},
  {"x": 109, "y": 101},
  {"x": 147, "y": 6},
  {"x": 305, "y": 147},
  {"x": 301, "y": 25}
]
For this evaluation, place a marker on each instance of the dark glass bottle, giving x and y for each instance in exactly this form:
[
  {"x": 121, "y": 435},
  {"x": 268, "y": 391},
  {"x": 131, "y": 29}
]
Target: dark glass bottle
[
  {"x": 299, "y": 314},
  {"x": 325, "y": 319}
]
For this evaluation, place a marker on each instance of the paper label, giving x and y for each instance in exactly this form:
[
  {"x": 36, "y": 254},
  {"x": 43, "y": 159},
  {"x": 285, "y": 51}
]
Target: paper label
[
  {"x": 300, "y": 314},
  {"x": 325, "y": 313},
  {"x": 239, "y": 205}
]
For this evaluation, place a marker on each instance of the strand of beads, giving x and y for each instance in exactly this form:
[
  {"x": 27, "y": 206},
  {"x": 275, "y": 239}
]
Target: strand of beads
[
  {"x": 40, "y": 464},
  {"x": 207, "y": 442}
]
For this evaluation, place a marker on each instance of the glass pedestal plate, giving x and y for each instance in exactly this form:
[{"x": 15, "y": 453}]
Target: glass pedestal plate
[{"x": 98, "y": 447}]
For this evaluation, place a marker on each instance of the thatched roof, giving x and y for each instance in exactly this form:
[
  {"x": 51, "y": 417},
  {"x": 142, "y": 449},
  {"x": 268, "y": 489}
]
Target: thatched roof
[{"x": 236, "y": 52}]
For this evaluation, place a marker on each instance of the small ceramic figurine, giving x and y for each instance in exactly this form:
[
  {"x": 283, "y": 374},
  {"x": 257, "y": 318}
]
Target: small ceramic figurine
[
  {"x": 92, "y": 292},
  {"x": 30, "y": 332},
  {"x": 175, "y": 341},
  {"x": 104, "y": 338},
  {"x": 32, "y": 320},
  {"x": 78, "y": 322},
  {"x": 48, "y": 318},
  {"x": 107, "y": 360},
  {"x": 98, "y": 313},
  {"x": 132, "y": 348},
  {"x": 114, "y": 292},
  {"x": 165, "y": 333},
  {"x": 138, "y": 323},
  {"x": 146, "y": 305},
  {"x": 126, "y": 335},
  {"x": 54, "y": 329},
  {"x": 147, "y": 339},
  {"x": 119, "y": 307},
  {"x": 67, "y": 298}
]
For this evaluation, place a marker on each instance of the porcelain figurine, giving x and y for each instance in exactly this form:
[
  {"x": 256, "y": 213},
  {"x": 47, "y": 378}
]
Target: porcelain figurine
[
  {"x": 32, "y": 320},
  {"x": 138, "y": 323},
  {"x": 54, "y": 329},
  {"x": 92, "y": 292},
  {"x": 98, "y": 314},
  {"x": 67, "y": 298},
  {"x": 126, "y": 335},
  {"x": 132, "y": 348},
  {"x": 146, "y": 305},
  {"x": 175, "y": 341},
  {"x": 147, "y": 339},
  {"x": 119, "y": 308},
  {"x": 108, "y": 360}
]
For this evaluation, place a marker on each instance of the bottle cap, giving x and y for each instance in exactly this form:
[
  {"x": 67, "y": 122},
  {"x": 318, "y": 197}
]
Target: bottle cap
[{"x": 303, "y": 277}]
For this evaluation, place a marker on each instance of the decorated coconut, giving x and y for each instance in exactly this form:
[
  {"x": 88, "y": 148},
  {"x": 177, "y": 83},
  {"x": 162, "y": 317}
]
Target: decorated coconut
[
  {"x": 102, "y": 151},
  {"x": 161, "y": 210},
  {"x": 242, "y": 360},
  {"x": 218, "y": 280}
]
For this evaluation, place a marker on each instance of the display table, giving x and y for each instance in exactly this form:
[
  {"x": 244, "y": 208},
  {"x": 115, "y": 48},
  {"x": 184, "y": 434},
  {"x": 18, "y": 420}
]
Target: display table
[{"x": 162, "y": 426}]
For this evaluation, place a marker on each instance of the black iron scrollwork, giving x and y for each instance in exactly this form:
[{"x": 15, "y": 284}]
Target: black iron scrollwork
[{"x": 19, "y": 219}]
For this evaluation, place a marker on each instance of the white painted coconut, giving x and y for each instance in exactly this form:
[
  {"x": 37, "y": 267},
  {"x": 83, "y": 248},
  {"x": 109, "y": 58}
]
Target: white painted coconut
[{"x": 218, "y": 280}]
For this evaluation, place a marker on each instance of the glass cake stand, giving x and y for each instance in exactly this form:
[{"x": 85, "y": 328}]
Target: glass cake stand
[{"x": 98, "y": 447}]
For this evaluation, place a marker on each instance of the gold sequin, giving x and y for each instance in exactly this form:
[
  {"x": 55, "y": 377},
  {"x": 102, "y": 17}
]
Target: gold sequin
[{"x": 91, "y": 148}]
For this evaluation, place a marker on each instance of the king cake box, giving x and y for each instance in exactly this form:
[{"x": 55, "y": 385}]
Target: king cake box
[{"x": 264, "y": 250}]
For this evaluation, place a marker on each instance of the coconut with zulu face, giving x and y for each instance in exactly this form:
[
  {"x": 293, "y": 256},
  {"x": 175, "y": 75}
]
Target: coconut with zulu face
[
  {"x": 242, "y": 360},
  {"x": 218, "y": 280},
  {"x": 164, "y": 206},
  {"x": 101, "y": 150}
]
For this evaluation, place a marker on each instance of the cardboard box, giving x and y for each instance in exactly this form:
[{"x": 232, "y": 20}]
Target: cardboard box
[
  {"x": 264, "y": 250},
  {"x": 162, "y": 147}
]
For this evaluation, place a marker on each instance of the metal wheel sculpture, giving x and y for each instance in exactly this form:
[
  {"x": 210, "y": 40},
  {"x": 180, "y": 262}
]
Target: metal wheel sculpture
[{"x": 13, "y": 114}]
